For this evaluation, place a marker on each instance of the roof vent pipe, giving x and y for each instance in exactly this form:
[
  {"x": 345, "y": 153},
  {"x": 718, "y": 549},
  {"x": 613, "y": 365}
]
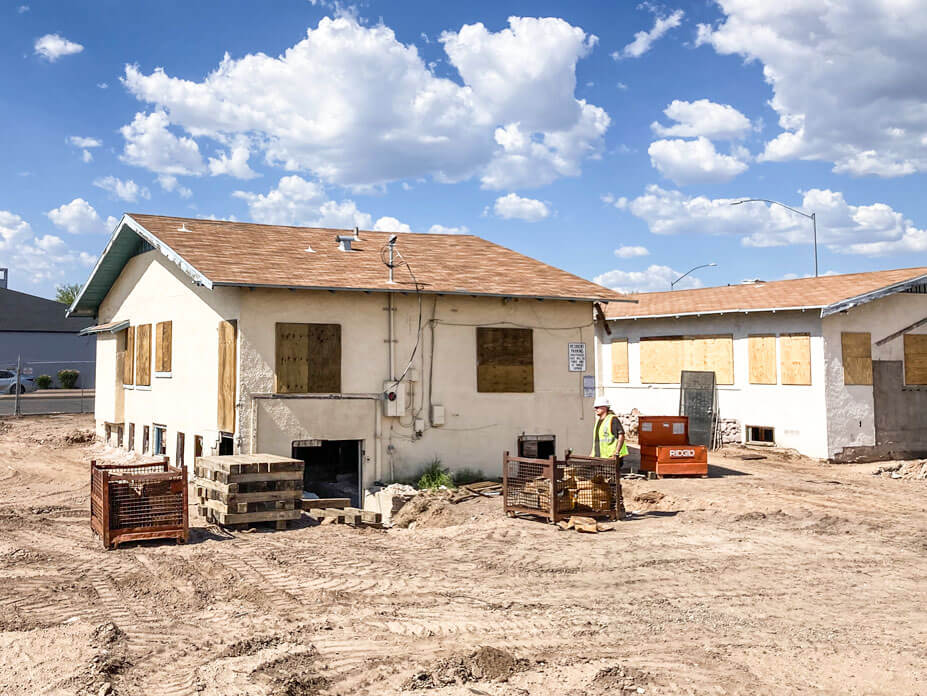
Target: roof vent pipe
[
  {"x": 356, "y": 234},
  {"x": 183, "y": 228},
  {"x": 344, "y": 241}
]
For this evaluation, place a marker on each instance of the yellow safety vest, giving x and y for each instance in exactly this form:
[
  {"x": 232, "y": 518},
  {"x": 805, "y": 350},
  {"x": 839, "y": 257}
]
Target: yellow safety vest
[{"x": 608, "y": 443}]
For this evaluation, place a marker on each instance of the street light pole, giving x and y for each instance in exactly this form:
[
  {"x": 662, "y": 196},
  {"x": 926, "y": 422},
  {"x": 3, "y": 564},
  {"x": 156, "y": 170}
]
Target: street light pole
[
  {"x": 812, "y": 217},
  {"x": 694, "y": 268}
]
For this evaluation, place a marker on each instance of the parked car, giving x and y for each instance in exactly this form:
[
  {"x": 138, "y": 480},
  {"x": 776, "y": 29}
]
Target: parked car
[{"x": 8, "y": 383}]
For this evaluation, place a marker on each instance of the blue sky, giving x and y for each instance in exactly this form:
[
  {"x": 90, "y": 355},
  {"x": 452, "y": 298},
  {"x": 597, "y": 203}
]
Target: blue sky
[{"x": 605, "y": 138}]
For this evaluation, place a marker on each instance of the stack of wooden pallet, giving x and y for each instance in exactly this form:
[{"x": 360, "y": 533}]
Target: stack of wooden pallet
[
  {"x": 246, "y": 488},
  {"x": 339, "y": 511},
  {"x": 485, "y": 489}
]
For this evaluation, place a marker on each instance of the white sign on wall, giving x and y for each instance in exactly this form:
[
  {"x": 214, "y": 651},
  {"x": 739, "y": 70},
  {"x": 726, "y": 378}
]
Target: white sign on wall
[
  {"x": 588, "y": 386},
  {"x": 577, "y": 357}
]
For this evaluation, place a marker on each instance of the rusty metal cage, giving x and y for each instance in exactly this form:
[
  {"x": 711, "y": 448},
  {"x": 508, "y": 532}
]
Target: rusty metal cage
[
  {"x": 587, "y": 486},
  {"x": 129, "y": 502}
]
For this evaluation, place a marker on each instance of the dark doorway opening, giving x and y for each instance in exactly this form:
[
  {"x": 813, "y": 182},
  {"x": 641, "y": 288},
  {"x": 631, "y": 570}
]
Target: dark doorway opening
[
  {"x": 226, "y": 444},
  {"x": 333, "y": 467},
  {"x": 537, "y": 446}
]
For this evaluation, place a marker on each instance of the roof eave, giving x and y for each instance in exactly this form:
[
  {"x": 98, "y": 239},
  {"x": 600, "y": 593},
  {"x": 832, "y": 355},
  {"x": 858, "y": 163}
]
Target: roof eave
[
  {"x": 851, "y": 302},
  {"x": 733, "y": 310}
]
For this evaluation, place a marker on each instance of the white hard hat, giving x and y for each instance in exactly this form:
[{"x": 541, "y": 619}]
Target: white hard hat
[{"x": 602, "y": 401}]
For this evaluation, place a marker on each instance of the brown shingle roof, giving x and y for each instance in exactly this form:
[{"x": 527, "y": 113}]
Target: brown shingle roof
[
  {"x": 819, "y": 292},
  {"x": 237, "y": 253}
]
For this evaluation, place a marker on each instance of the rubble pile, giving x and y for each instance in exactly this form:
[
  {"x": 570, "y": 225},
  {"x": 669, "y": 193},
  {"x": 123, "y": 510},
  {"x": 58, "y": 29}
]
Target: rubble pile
[{"x": 911, "y": 469}]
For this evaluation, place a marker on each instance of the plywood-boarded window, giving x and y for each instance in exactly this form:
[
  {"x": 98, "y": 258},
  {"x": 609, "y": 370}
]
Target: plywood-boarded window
[
  {"x": 227, "y": 375},
  {"x": 663, "y": 358},
  {"x": 308, "y": 359},
  {"x": 128, "y": 363},
  {"x": 620, "y": 360},
  {"x": 795, "y": 358},
  {"x": 762, "y": 351},
  {"x": 504, "y": 360},
  {"x": 143, "y": 355},
  {"x": 857, "y": 357},
  {"x": 163, "y": 351},
  {"x": 915, "y": 358}
]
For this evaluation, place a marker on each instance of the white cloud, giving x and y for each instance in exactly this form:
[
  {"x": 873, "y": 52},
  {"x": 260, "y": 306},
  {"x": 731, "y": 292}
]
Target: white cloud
[
  {"x": 847, "y": 78},
  {"x": 620, "y": 202},
  {"x": 235, "y": 165},
  {"x": 643, "y": 40},
  {"x": 703, "y": 118},
  {"x": 441, "y": 229},
  {"x": 39, "y": 260},
  {"x": 513, "y": 206},
  {"x": 694, "y": 161},
  {"x": 102, "y": 85},
  {"x": 86, "y": 155},
  {"x": 126, "y": 190},
  {"x": 369, "y": 110},
  {"x": 151, "y": 145},
  {"x": 874, "y": 229},
  {"x": 78, "y": 141},
  {"x": 79, "y": 217},
  {"x": 22, "y": 9},
  {"x": 630, "y": 252},
  {"x": 169, "y": 183},
  {"x": 52, "y": 46},
  {"x": 655, "y": 279},
  {"x": 296, "y": 201},
  {"x": 622, "y": 86}
]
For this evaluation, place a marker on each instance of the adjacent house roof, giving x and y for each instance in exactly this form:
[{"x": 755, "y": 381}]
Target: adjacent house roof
[
  {"x": 220, "y": 253},
  {"x": 830, "y": 294},
  {"x": 22, "y": 312}
]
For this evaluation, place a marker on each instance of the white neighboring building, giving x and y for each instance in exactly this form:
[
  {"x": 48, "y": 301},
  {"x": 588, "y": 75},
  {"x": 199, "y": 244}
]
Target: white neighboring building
[
  {"x": 834, "y": 367},
  {"x": 224, "y": 337}
]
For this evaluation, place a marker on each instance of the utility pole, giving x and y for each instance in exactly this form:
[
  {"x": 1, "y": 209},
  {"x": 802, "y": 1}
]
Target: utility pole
[{"x": 18, "y": 384}]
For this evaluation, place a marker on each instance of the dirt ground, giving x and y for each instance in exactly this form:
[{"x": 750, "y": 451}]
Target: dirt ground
[{"x": 773, "y": 576}]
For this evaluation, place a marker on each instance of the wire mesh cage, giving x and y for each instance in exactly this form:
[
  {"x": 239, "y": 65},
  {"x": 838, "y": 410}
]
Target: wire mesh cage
[
  {"x": 129, "y": 502},
  {"x": 555, "y": 489}
]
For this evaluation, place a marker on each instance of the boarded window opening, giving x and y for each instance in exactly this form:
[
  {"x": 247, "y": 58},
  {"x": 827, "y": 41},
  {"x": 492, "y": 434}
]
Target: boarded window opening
[
  {"x": 762, "y": 349},
  {"x": 663, "y": 358},
  {"x": 178, "y": 459},
  {"x": 308, "y": 359},
  {"x": 795, "y": 358},
  {"x": 857, "y": 357},
  {"x": 620, "y": 360},
  {"x": 227, "y": 375},
  {"x": 131, "y": 446},
  {"x": 163, "y": 351},
  {"x": 761, "y": 435},
  {"x": 128, "y": 364},
  {"x": 504, "y": 360},
  {"x": 143, "y": 355},
  {"x": 197, "y": 447},
  {"x": 146, "y": 432},
  {"x": 915, "y": 359}
]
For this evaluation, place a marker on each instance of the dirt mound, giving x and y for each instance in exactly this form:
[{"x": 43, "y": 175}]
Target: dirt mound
[
  {"x": 757, "y": 516},
  {"x": 914, "y": 469},
  {"x": 59, "y": 440},
  {"x": 485, "y": 664},
  {"x": 832, "y": 524},
  {"x": 433, "y": 509},
  {"x": 109, "y": 659},
  {"x": 292, "y": 675},
  {"x": 619, "y": 679}
]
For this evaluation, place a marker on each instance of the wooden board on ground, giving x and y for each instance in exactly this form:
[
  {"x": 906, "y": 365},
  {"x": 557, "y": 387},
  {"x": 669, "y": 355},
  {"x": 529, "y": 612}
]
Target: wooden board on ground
[{"x": 314, "y": 503}]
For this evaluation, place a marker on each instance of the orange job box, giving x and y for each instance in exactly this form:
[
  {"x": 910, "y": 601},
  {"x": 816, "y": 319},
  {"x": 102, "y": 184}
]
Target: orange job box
[{"x": 665, "y": 448}]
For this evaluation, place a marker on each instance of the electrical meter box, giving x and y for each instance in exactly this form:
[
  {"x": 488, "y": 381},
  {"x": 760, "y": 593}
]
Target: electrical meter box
[{"x": 394, "y": 399}]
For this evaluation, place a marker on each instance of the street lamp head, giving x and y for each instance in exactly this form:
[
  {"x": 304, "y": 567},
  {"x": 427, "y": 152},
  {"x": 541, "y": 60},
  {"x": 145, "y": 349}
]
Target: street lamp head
[{"x": 712, "y": 264}]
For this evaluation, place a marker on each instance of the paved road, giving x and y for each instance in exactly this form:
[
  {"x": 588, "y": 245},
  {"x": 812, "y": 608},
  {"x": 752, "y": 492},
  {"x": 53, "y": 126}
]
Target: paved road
[{"x": 57, "y": 401}]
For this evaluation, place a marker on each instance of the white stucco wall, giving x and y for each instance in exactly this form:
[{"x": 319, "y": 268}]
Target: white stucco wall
[
  {"x": 796, "y": 412},
  {"x": 479, "y": 427},
  {"x": 850, "y": 412},
  {"x": 149, "y": 290}
]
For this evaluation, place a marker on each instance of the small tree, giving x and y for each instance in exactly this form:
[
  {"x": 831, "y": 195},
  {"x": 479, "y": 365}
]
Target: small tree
[
  {"x": 66, "y": 293},
  {"x": 43, "y": 381},
  {"x": 68, "y": 378}
]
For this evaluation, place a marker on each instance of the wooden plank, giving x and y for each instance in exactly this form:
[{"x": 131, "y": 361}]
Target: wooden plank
[
  {"x": 336, "y": 514},
  {"x": 505, "y": 360},
  {"x": 292, "y": 359},
  {"x": 857, "y": 357},
  {"x": 163, "y": 349},
  {"x": 762, "y": 358},
  {"x": 143, "y": 355},
  {"x": 324, "y": 357},
  {"x": 270, "y": 516},
  {"x": 795, "y": 358},
  {"x": 710, "y": 353},
  {"x": 227, "y": 375},
  {"x": 322, "y": 503},
  {"x": 128, "y": 374},
  {"x": 352, "y": 515},
  {"x": 661, "y": 359},
  {"x": 619, "y": 353},
  {"x": 915, "y": 359}
]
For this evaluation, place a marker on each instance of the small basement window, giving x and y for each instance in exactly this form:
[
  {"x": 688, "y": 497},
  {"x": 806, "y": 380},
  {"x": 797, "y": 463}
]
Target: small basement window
[
  {"x": 197, "y": 446},
  {"x": 537, "y": 446},
  {"x": 160, "y": 440},
  {"x": 131, "y": 445},
  {"x": 178, "y": 459},
  {"x": 146, "y": 431},
  {"x": 761, "y": 435}
]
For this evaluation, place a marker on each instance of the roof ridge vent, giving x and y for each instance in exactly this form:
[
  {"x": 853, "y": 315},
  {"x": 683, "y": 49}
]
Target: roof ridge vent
[{"x": 344, "y": 242}]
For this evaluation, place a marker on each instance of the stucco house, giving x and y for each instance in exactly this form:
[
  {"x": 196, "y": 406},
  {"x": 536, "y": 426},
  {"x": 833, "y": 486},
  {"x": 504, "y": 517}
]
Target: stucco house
[
  {"x": 365, "y": 358},
  {"x": 36, "y": 330},
  {"x": 834, "y": 367}
]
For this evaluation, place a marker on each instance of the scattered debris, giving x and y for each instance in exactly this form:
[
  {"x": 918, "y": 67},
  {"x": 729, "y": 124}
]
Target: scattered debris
[
  {"x": 339, "y": 511},
  {"x": 485, "y": 664},
  {"x": 487, "y": 489},
  {"x": 751, "y": 457},
  {"x": 584, "y": 524},
  {"x": 912, "y": 469},
  {"x": 620, "y": 680}
]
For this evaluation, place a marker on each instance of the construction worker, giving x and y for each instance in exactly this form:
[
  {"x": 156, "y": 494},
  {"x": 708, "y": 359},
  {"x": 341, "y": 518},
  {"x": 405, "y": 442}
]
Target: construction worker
[{"x": 608, "y": 436}]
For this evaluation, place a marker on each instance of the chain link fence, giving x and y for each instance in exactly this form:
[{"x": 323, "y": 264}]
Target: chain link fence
[{"x": 30, "y": 399}]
